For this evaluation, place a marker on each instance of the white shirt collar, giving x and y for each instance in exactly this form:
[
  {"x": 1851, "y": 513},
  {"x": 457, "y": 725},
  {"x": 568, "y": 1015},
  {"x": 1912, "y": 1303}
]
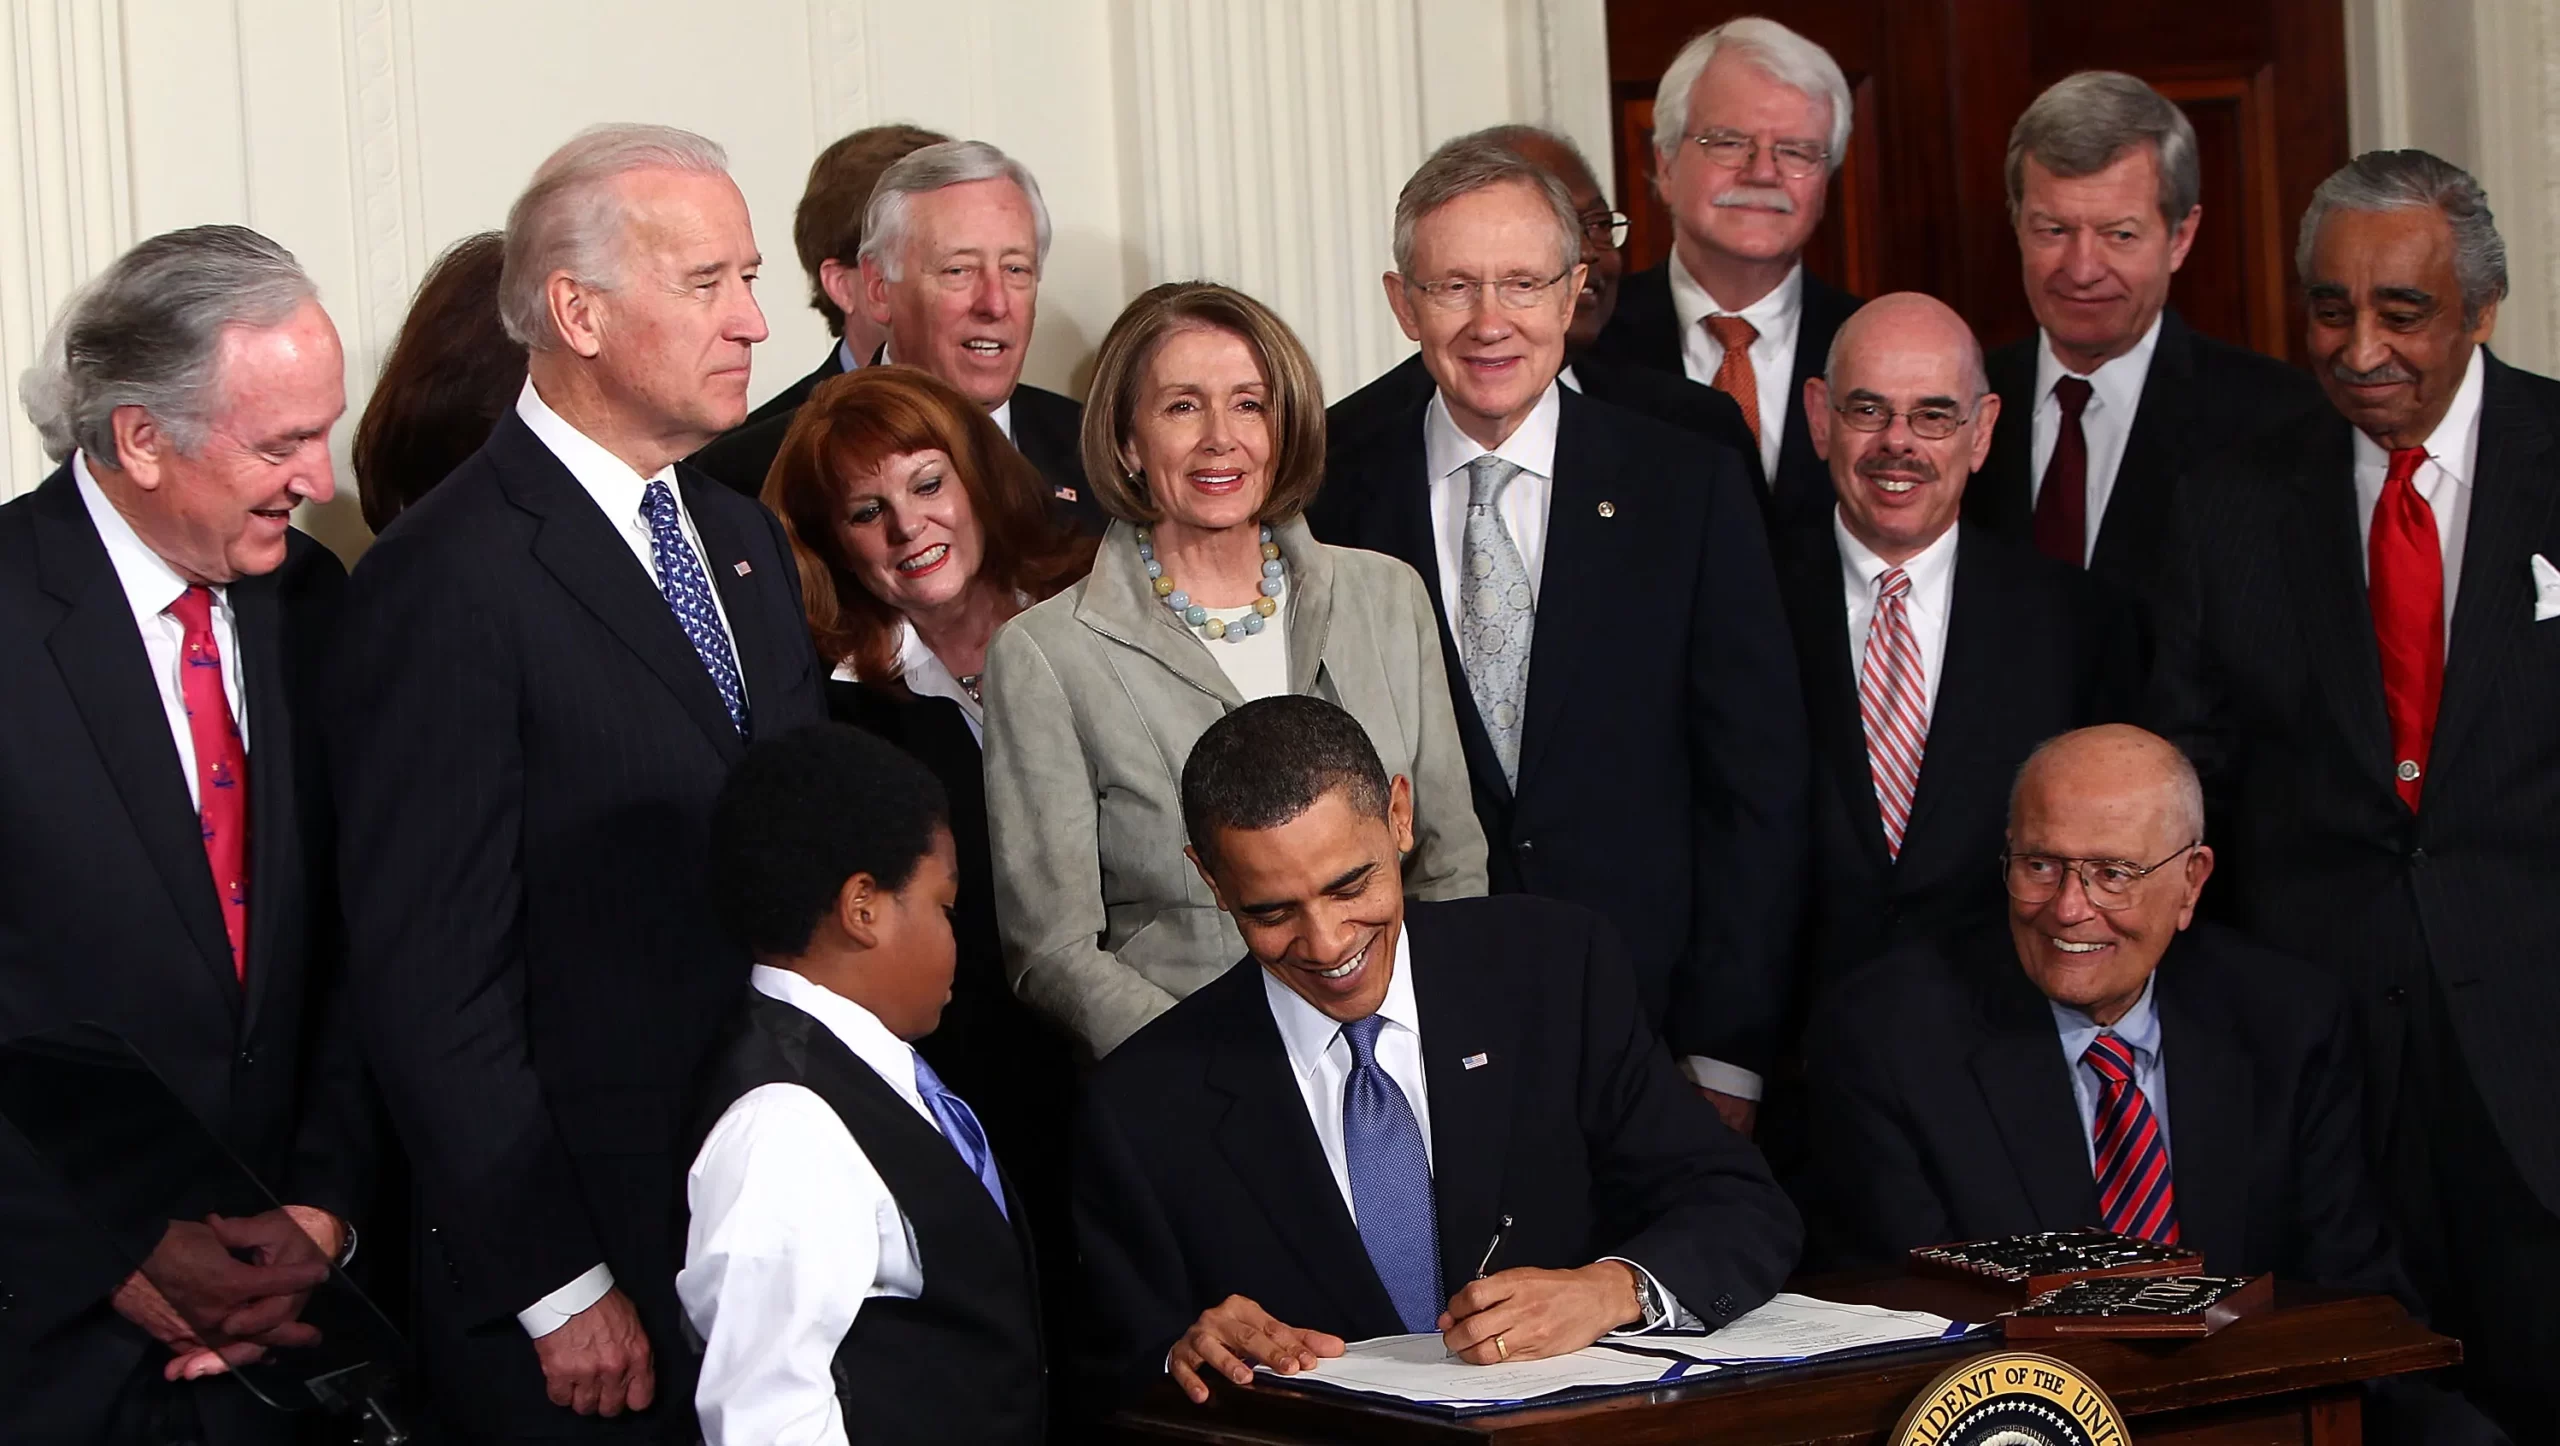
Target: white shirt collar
[
  {"x": 1930, "y": 569},
  {"x": 150, "y": 583},
  {"x": 860, "y": 1030},
  {"x": 1531, "y": 446},
  {"x": 607, "y": 478},
  {"x": 1773, "y": 316},
  {"x": 1305, "y": 1031},
  {"x": 2116, "y": 385},
  {"x": 2454, "y": 446}
]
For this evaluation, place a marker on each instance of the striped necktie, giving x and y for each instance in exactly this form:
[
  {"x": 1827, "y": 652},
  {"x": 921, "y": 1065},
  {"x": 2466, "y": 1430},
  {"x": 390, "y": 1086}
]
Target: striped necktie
[
  {"x": 1892, "y": 706},
  {"x": 2135, "y": 1196}
]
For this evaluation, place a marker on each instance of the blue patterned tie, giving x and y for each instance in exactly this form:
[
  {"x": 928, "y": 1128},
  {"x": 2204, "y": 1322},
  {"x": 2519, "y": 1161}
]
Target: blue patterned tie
[
  {"x": 1497, "y": 614},
  {"x": 960, "y": 1126},
  {"x": 1390, "y": 1182},
  {"x": 689, "y": 595}
]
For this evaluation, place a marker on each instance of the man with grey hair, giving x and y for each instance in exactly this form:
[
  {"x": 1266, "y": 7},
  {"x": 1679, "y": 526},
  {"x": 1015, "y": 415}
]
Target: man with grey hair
[
  {"x": 2353, "y": 647},
  {"x": 545, "y": 672},
  {"x": 1750, "y": 123},
  {"x": 1653, "y": 773},
  {"x": 2114, "y": 396},
  {"x": 162, "y": 867}
]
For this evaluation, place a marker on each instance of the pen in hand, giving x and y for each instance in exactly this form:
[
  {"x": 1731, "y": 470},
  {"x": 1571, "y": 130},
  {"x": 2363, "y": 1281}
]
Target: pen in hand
[{"x": 1486, "y": 1264}]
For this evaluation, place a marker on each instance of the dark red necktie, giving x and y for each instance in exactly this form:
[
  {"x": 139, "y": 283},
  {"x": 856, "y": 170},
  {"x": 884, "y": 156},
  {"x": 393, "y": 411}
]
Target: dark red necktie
[
  {"x": 2135, "y": 1194},
  {"x": 2404, "y": 580},
  {"x": 2062, "y": 502},
  {"x": 222, "y": 769}
]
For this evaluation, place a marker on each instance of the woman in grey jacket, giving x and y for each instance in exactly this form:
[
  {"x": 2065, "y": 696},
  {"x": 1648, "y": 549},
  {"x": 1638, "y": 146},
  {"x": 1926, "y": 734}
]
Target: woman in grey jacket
[{"x": 1204, "y": 437}]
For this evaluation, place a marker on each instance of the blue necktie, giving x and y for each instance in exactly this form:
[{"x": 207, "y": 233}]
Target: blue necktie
[
  {"x": 960, "y": 1127},
  {"x": 689, "y": 595},
  {"x": 1390, "y": 1182}
]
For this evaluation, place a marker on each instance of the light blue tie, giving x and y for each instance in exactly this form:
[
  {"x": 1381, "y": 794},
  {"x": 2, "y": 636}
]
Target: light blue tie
[
  {"x": 689, "y": 595},
  {"x": 1390, "y": 1182},
  {"x": 960, "y": 1126},
  {"x": 1497, "y": 613}
]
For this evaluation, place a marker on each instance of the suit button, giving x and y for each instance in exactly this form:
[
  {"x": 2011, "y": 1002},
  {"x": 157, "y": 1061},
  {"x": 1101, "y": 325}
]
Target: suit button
[
  {"x": 2395, "y": 996},
  {"x": 2417, "y": 858},
  {"x": 1527, "y": 844},
  {"x": 248, "y": 1058},
  {"x": 1723, "y": 1306}
]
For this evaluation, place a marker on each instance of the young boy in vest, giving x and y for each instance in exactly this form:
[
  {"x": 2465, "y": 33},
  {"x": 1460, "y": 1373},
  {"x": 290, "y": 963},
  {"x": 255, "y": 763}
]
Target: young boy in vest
[{"x": 855, "y": 1266}]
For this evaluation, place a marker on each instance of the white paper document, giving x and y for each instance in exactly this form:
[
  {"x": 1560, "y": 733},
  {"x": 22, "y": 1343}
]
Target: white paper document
[
  {"x": 1795, "y": 1328},
  {"x": 1419, "y": 1368}
]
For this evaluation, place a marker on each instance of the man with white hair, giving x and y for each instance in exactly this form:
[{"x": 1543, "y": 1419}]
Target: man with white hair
[
  {"x": 1750, "y": 123},
  {"x": 545, "y": 673},
  {"x": 161, "y": 871}
]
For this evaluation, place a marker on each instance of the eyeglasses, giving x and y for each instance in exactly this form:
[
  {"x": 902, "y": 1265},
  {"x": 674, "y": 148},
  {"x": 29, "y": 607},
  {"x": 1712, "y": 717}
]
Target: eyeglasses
[
  {"x": 2109, "y": 883},
  {"x": 1735, "y": 151},
  {"x": 1931, "y": 423},
  {"x": 1606, "y": 225},
  {"x": 1459, "y": 293}
]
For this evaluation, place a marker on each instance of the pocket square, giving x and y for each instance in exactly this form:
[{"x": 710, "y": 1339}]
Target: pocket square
[{"x": 2546, "y": 589}]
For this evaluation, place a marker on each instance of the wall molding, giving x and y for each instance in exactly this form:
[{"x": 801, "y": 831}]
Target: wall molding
[
  {"x": 839, "y": 69},
  {"x": 390, "y": 244}
]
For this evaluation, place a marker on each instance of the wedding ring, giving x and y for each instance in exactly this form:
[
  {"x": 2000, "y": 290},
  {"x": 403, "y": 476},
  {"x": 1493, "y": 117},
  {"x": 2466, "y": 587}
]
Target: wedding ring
[{"x": 1499, "y": 1346}]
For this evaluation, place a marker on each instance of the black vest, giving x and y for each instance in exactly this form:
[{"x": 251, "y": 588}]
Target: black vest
[{"x": 963, "y": 1361}]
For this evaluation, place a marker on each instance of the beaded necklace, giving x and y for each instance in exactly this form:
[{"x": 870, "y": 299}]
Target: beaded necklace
[{"x": 1274, "y": 583}]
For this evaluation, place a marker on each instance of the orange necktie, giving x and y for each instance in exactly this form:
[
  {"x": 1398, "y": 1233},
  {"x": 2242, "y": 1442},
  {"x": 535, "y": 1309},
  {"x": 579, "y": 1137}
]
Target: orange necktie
[{"x": 1734, "y": 376}]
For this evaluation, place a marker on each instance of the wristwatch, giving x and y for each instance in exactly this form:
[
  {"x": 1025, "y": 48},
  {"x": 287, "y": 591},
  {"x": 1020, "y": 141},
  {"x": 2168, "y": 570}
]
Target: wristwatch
[{"x": 1649, "y": 1299}]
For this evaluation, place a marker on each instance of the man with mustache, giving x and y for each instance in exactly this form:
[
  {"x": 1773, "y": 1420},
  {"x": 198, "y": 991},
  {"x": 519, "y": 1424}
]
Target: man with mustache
[
  {"x": 1750, "y": 123},
  {"x": 1935, "y": 655},
  {"x": 2359, "y": 626},
  {"x": 2114, "y": 396}
]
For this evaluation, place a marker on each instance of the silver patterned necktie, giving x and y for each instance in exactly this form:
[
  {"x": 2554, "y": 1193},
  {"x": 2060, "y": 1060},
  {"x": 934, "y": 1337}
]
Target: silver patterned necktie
[{"x": 1497, "y": 613}]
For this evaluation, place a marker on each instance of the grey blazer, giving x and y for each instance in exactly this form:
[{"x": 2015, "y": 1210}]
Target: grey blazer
[{"x": 1093, "y": 700}]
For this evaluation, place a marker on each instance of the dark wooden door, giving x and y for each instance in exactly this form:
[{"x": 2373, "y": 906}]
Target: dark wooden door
[{"x": 1920, "y": 203}]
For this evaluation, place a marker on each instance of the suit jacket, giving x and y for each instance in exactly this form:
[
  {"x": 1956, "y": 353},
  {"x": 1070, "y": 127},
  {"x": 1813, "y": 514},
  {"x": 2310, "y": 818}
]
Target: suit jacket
[
  {"x": 1093, "y": 700},
  {"x": 1645, "y": 331},
  {"x": 1198, "y": 1174},
  {"x": 1662, "y": 765},
  {"x": 2034, "y": 648},
  {"x": 528, "y": 748},
  {"x": 1942, "y": 1110},
  {"x": 2199, "y": 397},
  {"x": 2269, "y": 676},
  {"x": 1049, "y": 429},
  {"x": 742, "y": 455},
  {"x": 113, "y": 919},
  {"x": 1355, "y": 421}
]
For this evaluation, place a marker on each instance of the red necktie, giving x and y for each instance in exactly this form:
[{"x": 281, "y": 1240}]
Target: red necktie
[
  {"x": 1734, "y": 375},
  {"x": 2062, "y": 503},
  {"x": 2135, "y": 1195},
  {"x": 2404, "y": 581},
  {"x": 222, "y": 769},
  {"x": 1892, "y": 706}
]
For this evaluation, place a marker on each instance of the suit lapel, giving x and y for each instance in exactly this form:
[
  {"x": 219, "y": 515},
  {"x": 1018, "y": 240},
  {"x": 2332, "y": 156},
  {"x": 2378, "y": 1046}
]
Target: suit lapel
[
  {"x": 1270, "y": 1143},
  {"x": 2026, "y": 1090},
  {"x": 2138, "y": 501},
  {"x": 1309, "y": 601},
  {"x": 2327, "y": 569},
  {"x": 108, "y": 675},
  {"x": 1585, "y": 554},
  {"x": 763, "y": 662},
  {"x": 1952, "y": 759},
  {"x": 2212, "y": 1115},
  {"x": 1812, "y": 579},
  {"x": 275, "y": 863},
  {"x": 2002, "y": 495},
  {"x": 1470, "y": 1108},
  {"x": 1120, "y": 603},
  {"x": 2513, "y": 489}
]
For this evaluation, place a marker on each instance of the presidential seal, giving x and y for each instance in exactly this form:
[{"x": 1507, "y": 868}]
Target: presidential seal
[{"x": 2011, "y": 1399}]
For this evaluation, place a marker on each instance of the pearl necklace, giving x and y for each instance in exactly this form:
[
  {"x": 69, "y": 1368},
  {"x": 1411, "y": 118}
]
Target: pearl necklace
[{"x": 1196, "y": 616}]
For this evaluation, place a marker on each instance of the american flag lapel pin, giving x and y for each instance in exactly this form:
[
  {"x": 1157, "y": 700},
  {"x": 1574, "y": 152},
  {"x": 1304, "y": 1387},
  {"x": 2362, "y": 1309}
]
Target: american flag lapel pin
[
  {"x": 743, "y": 567},
  {"x": 1474, "y": 1061}
]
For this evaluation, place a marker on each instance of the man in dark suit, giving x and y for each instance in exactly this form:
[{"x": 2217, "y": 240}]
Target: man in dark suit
[
  {"x": 546, "y": 671},
  {"x": 1625, "y": 691},
  {"x": 164, "y": 869},
  {"x": 2352, "y": 649},
  {"x": 826, "y": 230},
  {"x": 1935, "y": 656},
  {"x": 1365, "y": 1128},
  {"x": 1749, "y": 123},
  {"x": 2114, "y": 396},
  {"x": 1351, "y": 424}
]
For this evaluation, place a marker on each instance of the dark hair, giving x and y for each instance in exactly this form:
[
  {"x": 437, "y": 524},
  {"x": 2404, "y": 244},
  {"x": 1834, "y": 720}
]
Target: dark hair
[
  {"x": 853, "y": 423},
  {"x": 828, "y": 224},
  {"x": 803, "y": 813},
  {"x": 452, "y": 373},
  {"x": 1295, "y": 392},
  {"x": 1270, "y": 760}
]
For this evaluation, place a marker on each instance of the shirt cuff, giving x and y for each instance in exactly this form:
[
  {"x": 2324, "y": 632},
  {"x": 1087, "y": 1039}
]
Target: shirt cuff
[
  {"x": 553, "y": 1311},
  {"x": 1675, "y": 1316},
  {"x": 1723, "y": 1078}
]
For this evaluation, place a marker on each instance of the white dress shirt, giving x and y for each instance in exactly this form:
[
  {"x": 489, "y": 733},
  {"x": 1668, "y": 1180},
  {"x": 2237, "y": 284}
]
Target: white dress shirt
[
  {"x": 1523, "y": 505},
  {"x": 1932, "y": 571},
  {"x": 1776, "y": 316},
  {"x": 2140, "y": 1030},
  {"x": 150, "y": 586},
  {"x": 1258, "y": 666},
  {"x": 926, "y": 676},
  {"x": 2444, "y": 479},
  {"x": 792, "y": 1230},
  {"x": 621, "y": 494},
  {"x": 1002, "y": 416},
  {"x": 2115, "y": 394}
]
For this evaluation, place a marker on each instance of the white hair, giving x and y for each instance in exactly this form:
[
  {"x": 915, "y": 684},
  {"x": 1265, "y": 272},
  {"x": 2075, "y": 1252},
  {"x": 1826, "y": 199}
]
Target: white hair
[
  {"x": 885, "y": 222},
  {"x": 572, "y": 218},
  {"x": 1779, "y": 53}
]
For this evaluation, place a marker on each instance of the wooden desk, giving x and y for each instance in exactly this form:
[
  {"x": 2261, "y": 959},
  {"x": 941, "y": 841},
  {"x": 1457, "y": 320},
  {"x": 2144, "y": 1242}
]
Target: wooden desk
[{"x": 2287, "y": 1376}]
